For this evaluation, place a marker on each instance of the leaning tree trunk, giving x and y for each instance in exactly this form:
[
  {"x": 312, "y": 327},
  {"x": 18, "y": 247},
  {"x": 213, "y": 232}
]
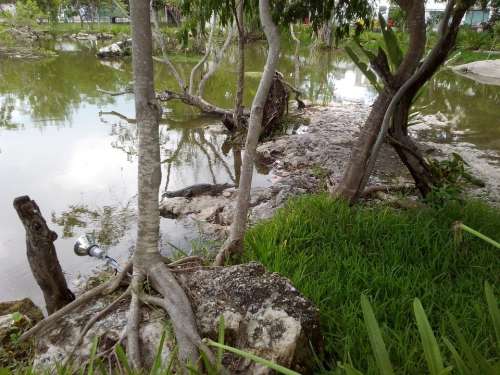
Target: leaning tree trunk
[
  {"x": 234, "y": 243},
  {"x": 42, "y": 256},
  {"x": 358, "y": 168},
  {"x": 408, "y": 150},
  {"x": 147, "y": 260},
  {"x": 240, "y": 24}
]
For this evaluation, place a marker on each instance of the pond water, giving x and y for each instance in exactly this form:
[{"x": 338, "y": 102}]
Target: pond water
[{"x": 62, "y": 143}]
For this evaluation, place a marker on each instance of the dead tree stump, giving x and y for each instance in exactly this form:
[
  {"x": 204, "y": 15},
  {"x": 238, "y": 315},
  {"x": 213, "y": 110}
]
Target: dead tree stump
[{"x": 42, "y": 255}]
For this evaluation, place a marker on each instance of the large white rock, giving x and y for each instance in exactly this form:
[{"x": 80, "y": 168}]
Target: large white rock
[{"x": 264, "y": 314}]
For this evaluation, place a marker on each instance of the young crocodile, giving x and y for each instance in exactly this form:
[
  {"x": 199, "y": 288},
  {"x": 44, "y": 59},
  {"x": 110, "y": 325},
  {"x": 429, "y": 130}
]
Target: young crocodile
[{"x": 198, "y": 189}]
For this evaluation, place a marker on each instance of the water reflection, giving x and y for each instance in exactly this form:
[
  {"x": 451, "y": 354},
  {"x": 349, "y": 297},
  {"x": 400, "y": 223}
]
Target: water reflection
[
  {"x": 73, "y": 149},
  {"x": 462, "y": 110}
]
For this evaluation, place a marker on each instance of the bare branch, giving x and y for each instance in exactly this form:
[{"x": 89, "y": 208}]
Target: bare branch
[
  {"x": 443, "y": 25},
  {"x": 219, "y": 54},
  {"x": 205, "y": 56},
  {"x": 159, "y": 38},
  {"x": 128, "y": 90}
]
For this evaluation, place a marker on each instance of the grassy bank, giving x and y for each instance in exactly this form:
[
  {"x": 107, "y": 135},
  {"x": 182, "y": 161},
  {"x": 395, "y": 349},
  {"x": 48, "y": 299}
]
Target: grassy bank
[{"x": 333, "y": 253}]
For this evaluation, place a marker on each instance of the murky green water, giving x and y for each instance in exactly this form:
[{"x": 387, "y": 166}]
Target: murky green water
[{"x": 59, "y": 145}]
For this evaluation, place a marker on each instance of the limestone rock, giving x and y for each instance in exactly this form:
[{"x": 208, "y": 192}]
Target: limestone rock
[
  {"x": 15, "y": 318},
  {"x": 264, "y": 314},
  {"x": 117, "y": 49}
]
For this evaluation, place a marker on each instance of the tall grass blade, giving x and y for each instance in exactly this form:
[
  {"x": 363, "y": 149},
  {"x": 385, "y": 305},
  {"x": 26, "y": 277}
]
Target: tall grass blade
[
  {"x": 494, "y": 311},
  {"x": 464, "y": 347},
  {"x": 376, "y": 340},
  {"x": 429, "y": 343},
  {"x": 93, "y": 350},
  {"x": 122, "y": 358},
  {"x": 220, "y": 351},
  {"x": 155, "y": 369},
  {"x": 253, "y": 357},
  {"x": 349, "y": 370},
  {"x": 479, "y": 235},
  {"x": 459, "y": 362}
]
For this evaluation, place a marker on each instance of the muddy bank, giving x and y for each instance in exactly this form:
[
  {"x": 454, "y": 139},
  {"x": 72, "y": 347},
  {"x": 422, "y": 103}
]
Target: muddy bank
[{"x": 313, "y": 159}]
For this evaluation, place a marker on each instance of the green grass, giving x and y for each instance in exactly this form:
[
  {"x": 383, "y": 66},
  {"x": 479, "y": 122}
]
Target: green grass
[
  {"x": 73, "y": 28},
  {"x": 333, "y": 253}
]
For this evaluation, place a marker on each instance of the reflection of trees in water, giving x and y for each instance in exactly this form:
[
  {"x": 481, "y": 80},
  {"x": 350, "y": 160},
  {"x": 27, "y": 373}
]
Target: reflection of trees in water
[
  {"x": 51, "y": 89},
  {"x": 464, "y": 102},
  {"x": 194, "y": 148},
  {"x": 108, "y": 223},
  {"x": 7, "y": 106}
]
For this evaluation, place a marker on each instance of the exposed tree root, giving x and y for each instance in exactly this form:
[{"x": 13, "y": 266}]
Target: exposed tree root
[
  {"x": 229, "y": 248},
  {"x": 133, "y": 323},
  {"x": 109, "y": 308},
  {"x": 106, "y": 288}
]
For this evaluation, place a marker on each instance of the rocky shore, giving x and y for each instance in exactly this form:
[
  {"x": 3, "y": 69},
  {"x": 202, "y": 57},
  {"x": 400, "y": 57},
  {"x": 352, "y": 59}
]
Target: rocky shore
[
  {"x": 310, "y": 160},
  {"x": 313, "y": 158}
]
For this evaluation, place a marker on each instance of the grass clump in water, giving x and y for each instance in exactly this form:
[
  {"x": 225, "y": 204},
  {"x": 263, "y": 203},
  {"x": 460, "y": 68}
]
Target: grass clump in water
[{"x": 333, "y": 252}]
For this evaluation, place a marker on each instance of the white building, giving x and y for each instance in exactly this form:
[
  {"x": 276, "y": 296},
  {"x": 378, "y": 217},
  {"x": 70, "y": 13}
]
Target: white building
[{"x": 434, "y": 8}]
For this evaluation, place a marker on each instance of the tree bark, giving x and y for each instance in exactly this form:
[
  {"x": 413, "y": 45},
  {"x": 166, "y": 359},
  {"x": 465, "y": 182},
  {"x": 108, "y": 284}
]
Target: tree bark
[
  {"x": 42, "y": 256},
  {"x": 358, "y": 168},
  {"x": 147, "y": 260},
  {"x": 408, "y": 150},
  {"x": 234, "y": 243},
  {"x": 240, "y": 24}
]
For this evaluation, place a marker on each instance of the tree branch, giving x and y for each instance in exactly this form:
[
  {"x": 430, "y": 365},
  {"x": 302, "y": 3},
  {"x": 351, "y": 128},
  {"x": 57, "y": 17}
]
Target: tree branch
[
  {"x": 165, "y": 60},
  {"x": 208, "y": 50},
  {"x": 217, "y": 59}
]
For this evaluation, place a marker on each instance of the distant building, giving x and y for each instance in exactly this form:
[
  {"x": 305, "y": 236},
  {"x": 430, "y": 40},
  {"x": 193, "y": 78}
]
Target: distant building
[
  {"x": 434, "y": 9},
  {"x": 8, "y": 8}
]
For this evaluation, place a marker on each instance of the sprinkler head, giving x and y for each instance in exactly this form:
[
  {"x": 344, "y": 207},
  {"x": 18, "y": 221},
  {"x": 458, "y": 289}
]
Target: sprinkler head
[{"x": 86, "y": 245}]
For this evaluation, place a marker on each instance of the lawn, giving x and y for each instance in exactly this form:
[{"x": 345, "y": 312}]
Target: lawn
[{"x": 333, "y": 253}]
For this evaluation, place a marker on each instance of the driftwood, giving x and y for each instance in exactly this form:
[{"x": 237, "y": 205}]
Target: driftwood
[
  {"x": 42, "y": 255},
  {"x": 198, "y": 189},
  {"x": 274, "y": 108}
]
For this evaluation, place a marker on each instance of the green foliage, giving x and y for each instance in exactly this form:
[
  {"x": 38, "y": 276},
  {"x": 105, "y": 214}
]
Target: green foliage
[
  {"x": 388, "y": 45},
  {"x": 391, "y": 44},
  {"x": 369, "y": 74},
  {"x": 27, "y": 13},
  {"x": 471, "y": 40},
  {"x": 332, "y": 252},
  {"x": 466, "y": 360},
  {"x": 452, "y": 176}
]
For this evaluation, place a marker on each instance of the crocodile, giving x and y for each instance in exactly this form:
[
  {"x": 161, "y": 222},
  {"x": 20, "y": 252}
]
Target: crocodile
[{"x": 198, "y": 189}]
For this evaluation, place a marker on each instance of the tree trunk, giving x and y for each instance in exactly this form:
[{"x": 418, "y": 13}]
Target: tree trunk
[
  {"x": 350, "y": 185},
  {"x": 42, "y": 256},
  {"x": 147, "y": 260},
  {"x": 408, "y": 150},
  {"x": 240, "y": 24},
  {"x": 359, "y": 167},
  {"x": 234, "y": 243}
]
